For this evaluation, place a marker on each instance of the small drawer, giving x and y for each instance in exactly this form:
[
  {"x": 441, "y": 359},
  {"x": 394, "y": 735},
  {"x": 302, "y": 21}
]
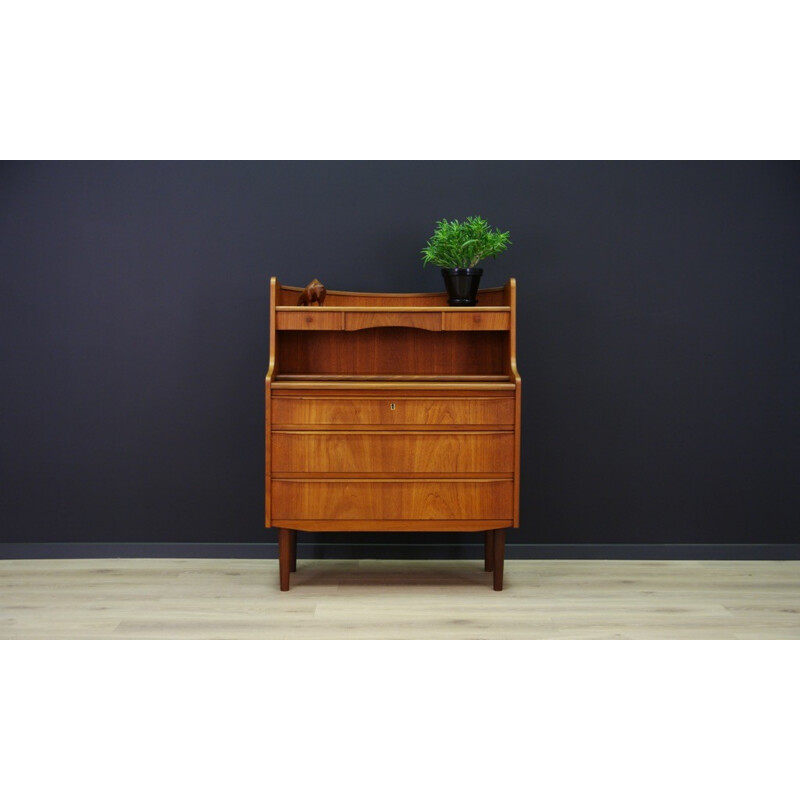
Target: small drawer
[
  {"x": 305, "y": 320},
  {"x": 395, "y": 452},
  {"x": 476, "y": 320},
  {"x": 357, "y": 320},
  {"x": 457, "y": 412},
  {"x": 392, "y": 500}
]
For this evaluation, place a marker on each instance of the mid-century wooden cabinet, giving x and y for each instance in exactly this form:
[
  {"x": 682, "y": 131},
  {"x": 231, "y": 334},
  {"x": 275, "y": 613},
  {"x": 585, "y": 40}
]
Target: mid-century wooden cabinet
[{"x": 392, "y": 412}]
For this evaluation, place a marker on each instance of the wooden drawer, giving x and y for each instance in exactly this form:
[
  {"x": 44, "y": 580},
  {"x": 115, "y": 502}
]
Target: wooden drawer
[
  {"x": 309, "y": 320},
  {"x": 357, "y": 320},
  {"x": 477, "y": 321},
  {"x": 402, "y": 411},
  {"x": 387, "y": 500},
  {"x": 364, "y": 452}
]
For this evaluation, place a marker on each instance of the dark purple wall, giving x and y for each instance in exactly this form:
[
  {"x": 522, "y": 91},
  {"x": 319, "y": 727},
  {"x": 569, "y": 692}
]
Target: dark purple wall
[{"x": 659, "y": 336}]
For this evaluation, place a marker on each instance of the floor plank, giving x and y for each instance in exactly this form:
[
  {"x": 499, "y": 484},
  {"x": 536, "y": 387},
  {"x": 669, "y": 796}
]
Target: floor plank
[{"x": 333, "y": 599}]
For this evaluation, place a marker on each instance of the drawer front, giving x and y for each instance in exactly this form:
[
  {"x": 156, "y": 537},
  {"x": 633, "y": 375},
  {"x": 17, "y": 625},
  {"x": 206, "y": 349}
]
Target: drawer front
[
  {"x": 477, "y": 321},
  {"x": 357, "y": 320},
  {"x": 388, "y": 500},
  {"x": 322, "y": 412},
  {"x": 306, "y": 452},
  {"x": 309, "y": 320}
]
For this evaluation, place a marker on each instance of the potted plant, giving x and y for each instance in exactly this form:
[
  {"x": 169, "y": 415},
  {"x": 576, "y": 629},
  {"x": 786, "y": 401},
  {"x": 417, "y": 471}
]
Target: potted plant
[{"x": 457, "y": 247}]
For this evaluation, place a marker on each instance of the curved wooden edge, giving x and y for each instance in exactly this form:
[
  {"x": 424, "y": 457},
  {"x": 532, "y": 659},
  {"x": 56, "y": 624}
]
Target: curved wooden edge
[
  {"x": 274, "y": 288},
  {"x": 510, "y": 293},
  {"x": 392, "y": 525},
  {"x": 391, "y": 294},
  {"x": 424, "y": 320},
  {"x": 510, "y": 296}
]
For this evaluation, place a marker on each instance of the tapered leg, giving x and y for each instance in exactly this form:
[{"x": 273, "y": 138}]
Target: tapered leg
[
  {"x": 294, "y": 552},
  {"x": 488, "y": 551},
  {"x": 499, "y": 556},
  {"x": 284, "y": 556}
]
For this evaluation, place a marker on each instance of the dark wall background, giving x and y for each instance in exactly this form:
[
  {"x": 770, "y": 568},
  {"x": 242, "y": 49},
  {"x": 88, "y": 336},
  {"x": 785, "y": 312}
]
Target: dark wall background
[{"x": 658, "y": 339}]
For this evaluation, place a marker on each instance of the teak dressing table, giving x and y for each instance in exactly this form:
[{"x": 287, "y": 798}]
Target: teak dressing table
[{"x": 392, "y": 412}]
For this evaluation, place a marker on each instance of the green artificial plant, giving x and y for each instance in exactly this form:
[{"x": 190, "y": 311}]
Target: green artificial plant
[{"x": 456, "y": 245}]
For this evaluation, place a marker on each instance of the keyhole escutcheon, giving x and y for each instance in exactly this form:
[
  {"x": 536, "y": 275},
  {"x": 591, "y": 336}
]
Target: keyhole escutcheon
[{"x": 391, "y": 405}]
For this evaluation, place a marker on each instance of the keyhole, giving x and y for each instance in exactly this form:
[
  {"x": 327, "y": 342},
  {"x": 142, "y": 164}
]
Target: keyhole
[{"x": 391, "y": 405}]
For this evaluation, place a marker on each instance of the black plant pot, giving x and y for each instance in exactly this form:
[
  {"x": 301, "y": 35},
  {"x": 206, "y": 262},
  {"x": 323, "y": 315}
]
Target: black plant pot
[{"x": 462, "y": 285}]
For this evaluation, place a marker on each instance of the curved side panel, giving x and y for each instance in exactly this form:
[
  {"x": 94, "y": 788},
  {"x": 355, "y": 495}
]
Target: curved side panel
[
  {"x": 274, "y": 291},
  {"x": 510, "y": 294}
]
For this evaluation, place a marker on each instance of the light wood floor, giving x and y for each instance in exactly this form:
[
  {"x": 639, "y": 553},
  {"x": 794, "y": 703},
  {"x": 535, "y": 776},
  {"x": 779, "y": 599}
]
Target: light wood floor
[{"x": 239, "y": 599}]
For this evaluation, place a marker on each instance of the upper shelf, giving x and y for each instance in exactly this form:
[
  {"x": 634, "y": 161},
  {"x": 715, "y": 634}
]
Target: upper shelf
[
  {"x": 492, "y": 296},
  {"x": 356, "y": 318},
  {"x": 370, "y": 340}
]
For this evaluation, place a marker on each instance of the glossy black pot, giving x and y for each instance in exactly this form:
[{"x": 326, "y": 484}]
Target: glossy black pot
[{"x": 462, "y": 285}]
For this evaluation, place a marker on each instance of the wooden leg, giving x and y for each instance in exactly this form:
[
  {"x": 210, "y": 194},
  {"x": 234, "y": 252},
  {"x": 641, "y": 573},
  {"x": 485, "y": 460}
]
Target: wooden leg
[
  {"x": 499, "y": 555},
  {"x": 488, "y": 551},
  {"x": 284, "y": 556},
  {"x": 293, "y": 566}
]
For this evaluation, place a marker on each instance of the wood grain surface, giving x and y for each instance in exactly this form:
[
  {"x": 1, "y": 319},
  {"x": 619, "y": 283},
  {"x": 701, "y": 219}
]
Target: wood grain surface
[
  {"x": 476, "y": 321},
  {"x": 391, "y": 350},
  {"x": 426, "y": 320},
  {"x": 335, "y": 599},
  {"x": 396, "y": 451},
  {"x": 357, "y": 410},
  {"x": 386, "y": 499},
  {"x": 309, "y": 320},
  {"x": 391, "y": 412},
  {"x": 288, "y": 295}
]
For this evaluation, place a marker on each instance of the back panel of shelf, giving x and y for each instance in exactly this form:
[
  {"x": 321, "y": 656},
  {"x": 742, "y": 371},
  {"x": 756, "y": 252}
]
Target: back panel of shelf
[{"x": 392, "y": 351}]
